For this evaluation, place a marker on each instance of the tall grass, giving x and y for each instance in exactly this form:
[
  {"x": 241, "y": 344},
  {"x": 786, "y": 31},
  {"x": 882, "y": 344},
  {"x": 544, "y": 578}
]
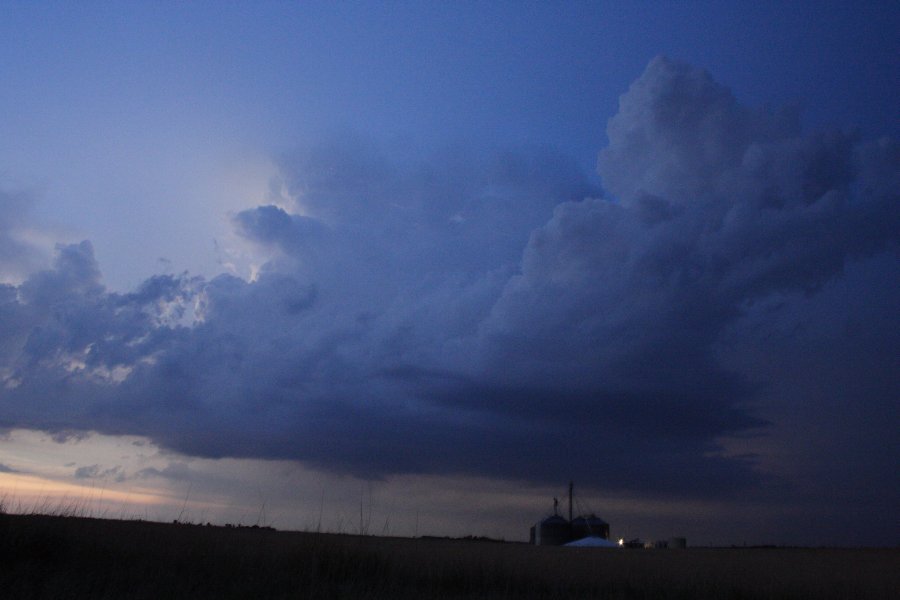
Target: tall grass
[{"x": 64, "y": 557}]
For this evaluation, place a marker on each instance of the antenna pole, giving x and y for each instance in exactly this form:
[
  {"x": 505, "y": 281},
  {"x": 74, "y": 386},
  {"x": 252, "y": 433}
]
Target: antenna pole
[{"x": 571, "y": 486}]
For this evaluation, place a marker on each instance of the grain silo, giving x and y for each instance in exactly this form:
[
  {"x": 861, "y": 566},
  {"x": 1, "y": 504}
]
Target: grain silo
[
  {"x": 589, "y": 526},
  {"x": 556, "y": 530},
  {"x": 552, "y": 531}
]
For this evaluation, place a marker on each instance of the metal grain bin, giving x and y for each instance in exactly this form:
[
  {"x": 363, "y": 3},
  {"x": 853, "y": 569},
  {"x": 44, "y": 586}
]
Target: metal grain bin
[
  {"x": 589, "y": 525},
  {"x": 552, "y": 531}
]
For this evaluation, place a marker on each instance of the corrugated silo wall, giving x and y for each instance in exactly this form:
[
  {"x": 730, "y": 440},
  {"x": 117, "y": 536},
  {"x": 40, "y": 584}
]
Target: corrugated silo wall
[
  {"x": 553, "y": 534},
  {"x": 582, "y": 528}
]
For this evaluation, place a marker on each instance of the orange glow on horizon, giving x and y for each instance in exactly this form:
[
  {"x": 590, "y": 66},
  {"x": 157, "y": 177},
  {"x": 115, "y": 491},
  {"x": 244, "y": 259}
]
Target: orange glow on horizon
[{"x": 31, "y": 493}]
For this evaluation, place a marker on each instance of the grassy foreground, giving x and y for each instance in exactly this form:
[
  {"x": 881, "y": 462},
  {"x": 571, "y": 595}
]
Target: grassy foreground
[{"x": 67, "y": 557}]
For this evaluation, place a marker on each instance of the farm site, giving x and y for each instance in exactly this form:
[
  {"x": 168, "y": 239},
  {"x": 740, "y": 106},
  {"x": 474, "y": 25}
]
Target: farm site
[{"x": 76, "y": 557}]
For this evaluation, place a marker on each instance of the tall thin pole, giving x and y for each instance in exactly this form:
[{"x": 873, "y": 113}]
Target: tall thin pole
[{"x": 571, "y": 486}]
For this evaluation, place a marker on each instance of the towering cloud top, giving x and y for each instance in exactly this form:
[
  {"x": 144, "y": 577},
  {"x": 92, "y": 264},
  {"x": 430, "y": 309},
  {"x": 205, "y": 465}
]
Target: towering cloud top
[{"x": 495, "y": 317}]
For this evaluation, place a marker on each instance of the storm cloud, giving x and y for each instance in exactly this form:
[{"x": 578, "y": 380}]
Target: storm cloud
[{"x": 494, "y": 316}]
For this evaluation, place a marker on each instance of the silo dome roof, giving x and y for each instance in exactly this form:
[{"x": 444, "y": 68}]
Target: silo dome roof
[
  {"x": 591, "y": 518},
  {"x": 553, "y": 520}
]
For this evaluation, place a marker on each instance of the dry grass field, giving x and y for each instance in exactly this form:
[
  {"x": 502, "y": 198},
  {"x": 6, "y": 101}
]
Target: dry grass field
[{"x": 68, "y": 557}]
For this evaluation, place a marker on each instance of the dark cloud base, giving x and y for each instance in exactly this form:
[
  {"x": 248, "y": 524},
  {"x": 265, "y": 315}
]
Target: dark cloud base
[{"x": 494, "y": 317}]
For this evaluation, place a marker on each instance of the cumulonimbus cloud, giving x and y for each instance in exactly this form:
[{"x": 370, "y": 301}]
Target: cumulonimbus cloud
[{"x": 497, "y": 317}]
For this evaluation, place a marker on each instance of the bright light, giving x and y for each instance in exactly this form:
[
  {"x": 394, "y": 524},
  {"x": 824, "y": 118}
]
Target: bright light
[{"x": 621, "y": 541}]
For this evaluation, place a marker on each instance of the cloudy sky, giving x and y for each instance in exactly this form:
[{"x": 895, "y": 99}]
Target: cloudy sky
[{"x": 409, "y": 268}]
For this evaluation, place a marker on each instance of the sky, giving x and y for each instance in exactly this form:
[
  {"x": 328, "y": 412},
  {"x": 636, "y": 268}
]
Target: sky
[{"x": 410, "y": 268}]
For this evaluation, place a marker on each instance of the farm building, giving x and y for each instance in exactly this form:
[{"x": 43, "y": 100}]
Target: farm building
[
  {"x": 593, "y": 541},
  {"x": 587, "y": 531},
  {"x": 552, "y": 531},
  {"x": 556, "y": 530},
  {"x": 589, "y": 525}
]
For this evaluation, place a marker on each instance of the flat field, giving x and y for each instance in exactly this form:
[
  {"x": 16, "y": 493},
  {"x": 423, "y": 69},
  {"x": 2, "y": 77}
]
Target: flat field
[{"x": 68, "y": 557}]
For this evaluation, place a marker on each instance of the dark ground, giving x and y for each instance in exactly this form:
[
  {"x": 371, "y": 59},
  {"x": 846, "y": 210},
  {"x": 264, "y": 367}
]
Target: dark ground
[{"x": 68, "y": 557}]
